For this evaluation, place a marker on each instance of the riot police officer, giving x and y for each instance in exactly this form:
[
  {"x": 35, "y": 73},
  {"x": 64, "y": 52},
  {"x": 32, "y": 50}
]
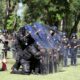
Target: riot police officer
[
  {"x": 56, "y": 35},
  {"x": 26, "y": 51},
  {"x": 64, "y": 46},
  {"x": 43, "y": 61},
  {"x": 73, "y": 50}
]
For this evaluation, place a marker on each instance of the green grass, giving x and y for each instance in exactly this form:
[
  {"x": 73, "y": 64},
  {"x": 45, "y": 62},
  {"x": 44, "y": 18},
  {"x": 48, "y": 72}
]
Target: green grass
[{"x": 69, "y": 73}]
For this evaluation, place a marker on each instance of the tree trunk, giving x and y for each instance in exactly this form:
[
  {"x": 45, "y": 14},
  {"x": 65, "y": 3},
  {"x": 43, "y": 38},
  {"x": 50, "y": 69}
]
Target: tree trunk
[
  {"x": 74, "y": 29},
  {"x": 9, "y": 9},
  {"x": 6, "y": 12}
]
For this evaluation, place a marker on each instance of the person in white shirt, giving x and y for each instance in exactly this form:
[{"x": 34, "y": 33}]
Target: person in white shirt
[{"x": 1, "y": 49}]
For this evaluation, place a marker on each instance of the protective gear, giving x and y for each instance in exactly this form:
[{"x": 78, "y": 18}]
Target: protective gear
[
  {"x": 64, "y": 46},
  {"x": 73, "y": 50},
  {"x": 25, "y": 66},
  {"x": 23, "y": 55},
  {"x": 54, "y": 28}
]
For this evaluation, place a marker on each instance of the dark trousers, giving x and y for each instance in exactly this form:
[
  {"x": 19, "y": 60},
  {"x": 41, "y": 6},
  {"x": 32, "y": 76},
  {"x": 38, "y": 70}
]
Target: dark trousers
[
  {"x": 73, "y": 60},
  {"x": 73, "y": 56},
  {"x": 16, "y": 66},
  {"x": 65, "y": 62},
  {"x": 5, "y": 54},
  {"x": 25, "y": 67},
  {"x": 35, "y": 66}
]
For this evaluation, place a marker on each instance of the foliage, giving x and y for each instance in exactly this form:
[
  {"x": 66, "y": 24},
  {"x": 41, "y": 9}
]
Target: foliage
[{"x": 50, "y": 12}]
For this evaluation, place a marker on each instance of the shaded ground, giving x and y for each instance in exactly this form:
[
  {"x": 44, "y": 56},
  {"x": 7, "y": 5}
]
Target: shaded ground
[{"x": 69, "y": 73}]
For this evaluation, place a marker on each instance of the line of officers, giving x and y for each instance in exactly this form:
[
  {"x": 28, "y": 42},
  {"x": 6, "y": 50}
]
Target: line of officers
[{"x": 31, "y": 58}]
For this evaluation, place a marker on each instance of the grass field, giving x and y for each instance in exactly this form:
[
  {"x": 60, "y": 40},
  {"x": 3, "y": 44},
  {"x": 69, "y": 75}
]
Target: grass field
[{"x": 69, "y": 73}]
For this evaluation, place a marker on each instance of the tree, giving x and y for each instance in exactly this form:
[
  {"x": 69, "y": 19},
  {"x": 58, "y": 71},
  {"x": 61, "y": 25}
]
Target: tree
[
  {"x": 75, "y": 10},
  {"x": 50, "y": 12},
  {"x": 10, "y": 8}
]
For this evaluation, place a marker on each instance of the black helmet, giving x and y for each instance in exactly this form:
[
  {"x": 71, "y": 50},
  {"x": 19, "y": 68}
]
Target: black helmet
[
  {"x": 74, "y": 35},
  {"x": 64, "y": 34},
  {"x": 54, "y": 28}
]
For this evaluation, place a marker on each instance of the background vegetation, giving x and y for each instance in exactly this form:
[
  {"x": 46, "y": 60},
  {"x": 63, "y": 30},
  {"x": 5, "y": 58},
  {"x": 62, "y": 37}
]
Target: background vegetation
[{"x": 64, "y": 14}]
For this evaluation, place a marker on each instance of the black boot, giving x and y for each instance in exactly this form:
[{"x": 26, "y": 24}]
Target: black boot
[
  {"x": 25, "y": 67},
  {"x": 16, "y": 67}
]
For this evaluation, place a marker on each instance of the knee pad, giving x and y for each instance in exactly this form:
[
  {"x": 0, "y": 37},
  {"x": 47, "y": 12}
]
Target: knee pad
[{"x": 25, "y": 66}]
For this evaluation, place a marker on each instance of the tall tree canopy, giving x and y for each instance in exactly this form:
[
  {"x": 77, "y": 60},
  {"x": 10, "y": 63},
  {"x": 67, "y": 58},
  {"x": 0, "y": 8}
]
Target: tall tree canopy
[{"x": 51, "y": 12}]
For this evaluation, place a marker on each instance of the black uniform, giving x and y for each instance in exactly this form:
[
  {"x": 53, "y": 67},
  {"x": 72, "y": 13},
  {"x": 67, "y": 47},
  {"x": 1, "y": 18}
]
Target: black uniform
[
  {"x": 73, "y": 50},
  {"x": 26, "y": 53},
  {"x": 44, "y": 61}
]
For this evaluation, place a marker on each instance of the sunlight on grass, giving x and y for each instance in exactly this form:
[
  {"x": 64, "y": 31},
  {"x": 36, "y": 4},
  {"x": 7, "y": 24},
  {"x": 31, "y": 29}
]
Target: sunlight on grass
[{"x": 69, "y": 73}]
